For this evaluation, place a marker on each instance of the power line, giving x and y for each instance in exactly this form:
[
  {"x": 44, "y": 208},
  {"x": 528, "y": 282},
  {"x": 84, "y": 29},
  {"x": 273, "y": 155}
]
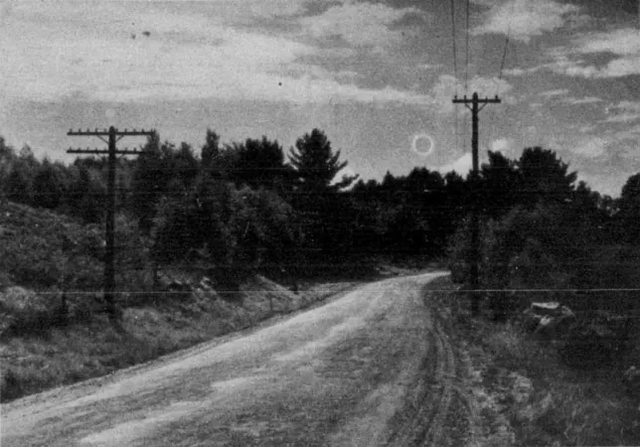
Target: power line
[
  {"x": 506, "y": 45},
  {"x": 466, "y": 71},
  {"x": 455, "y": 52}
]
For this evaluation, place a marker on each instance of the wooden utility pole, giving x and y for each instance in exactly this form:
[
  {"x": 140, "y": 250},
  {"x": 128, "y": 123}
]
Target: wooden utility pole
[
  {"x": 476, "y": 106},
  {"x": 114, "y": 135}
]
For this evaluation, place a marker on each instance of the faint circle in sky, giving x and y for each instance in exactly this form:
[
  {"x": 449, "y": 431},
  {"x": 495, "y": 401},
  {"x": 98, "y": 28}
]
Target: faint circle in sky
[
  {"x": 110, "y": 113},
  {"x": 423, "y": 144}
]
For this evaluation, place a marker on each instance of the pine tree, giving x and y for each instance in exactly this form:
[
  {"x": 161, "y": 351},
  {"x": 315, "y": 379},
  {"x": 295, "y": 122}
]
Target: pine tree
[{"x": 316, "y": 165}]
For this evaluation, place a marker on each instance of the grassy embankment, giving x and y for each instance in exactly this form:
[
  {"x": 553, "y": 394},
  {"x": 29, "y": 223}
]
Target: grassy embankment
[
  {"x": 44, "y": 344},
  {"x": 523, "y": 394}
]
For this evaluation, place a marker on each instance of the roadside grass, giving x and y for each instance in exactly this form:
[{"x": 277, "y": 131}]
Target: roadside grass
[
  {"x": 44, "y": 359},
  {"x": 525, "y": 395}
]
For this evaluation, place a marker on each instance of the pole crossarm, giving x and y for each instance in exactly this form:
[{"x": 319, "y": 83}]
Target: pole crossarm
[
  {"x": 107, "y": 132},
  {"x": 114, "y": 135},
  {"x": 465, "y": 100},
  {"x": 103, "y": 151}
]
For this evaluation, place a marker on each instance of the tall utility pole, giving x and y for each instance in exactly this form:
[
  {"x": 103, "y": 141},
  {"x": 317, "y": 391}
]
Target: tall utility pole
[
  {"x": 114, "y": 135},
  {"x": 476, "y": 106}
]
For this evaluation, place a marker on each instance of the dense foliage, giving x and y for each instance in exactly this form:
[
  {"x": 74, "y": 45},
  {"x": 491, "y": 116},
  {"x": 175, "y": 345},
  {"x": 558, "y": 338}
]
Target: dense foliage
[{"x": 247, "y": 206}]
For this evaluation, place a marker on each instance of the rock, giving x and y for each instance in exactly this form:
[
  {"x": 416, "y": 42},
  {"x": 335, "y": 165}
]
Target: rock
[
  {"x": 206, "y": 284},
  {"x": 551, "y": 308},
  {"x": 548, "y": 320},
  {"x": 521, "y": 389}
]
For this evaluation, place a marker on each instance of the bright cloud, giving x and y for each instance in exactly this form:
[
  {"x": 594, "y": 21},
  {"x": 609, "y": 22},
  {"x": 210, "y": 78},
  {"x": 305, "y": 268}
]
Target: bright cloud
[
  {"x": 592, "y": 146},
  {"x": 523, "y": 19},
  {"x": 579, "y": 101},
  {"x": 552, "y": 93},
  {"x": 462, "y": 165},
  {"x": 622, "y": 118},
  {"x": 623, "y": 112},
  {"x": 503, "y": 145},
  {"x": 185, "y": 56},
  {"x": 623, "y": 44},
  {"x": 359, "y": 24}
]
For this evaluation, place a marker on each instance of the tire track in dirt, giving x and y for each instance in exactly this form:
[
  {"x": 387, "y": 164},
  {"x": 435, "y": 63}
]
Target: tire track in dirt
[
  {"x": 433, "y": 395},
  {"x": 445, "y": 376}
]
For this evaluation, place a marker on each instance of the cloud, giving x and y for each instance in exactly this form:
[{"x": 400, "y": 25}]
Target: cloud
[
  {"x": 522, "y": 71},
  {"x": 359, "y": 24},
  {"x": 633, "y": 106},
  {"x": 623, "y": 44},
  {"x": 523, "y": 19},
  {"x": 622, "y": 118},
  {"x": 587, "y": 128},
  {"x": 590, "y": 147},
  {"x": 446, "y": 88},
  {"x": 503, "y": 145},
  {"x": 579, "y": 101},
  {"x": 462, "y": 165},
  {"x": 187, "y": 56},
  {"x": 552, "y": 93},
  {"x": 346, "y": 171},
  {"x": 622, "y": 112},
  {"x": 624, "y": 41}
]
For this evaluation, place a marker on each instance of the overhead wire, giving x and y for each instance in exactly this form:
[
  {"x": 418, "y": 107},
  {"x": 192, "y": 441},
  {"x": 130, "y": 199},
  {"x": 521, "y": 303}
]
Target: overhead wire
[
  {"x": 455, "y": 70},
  {"x": 506, "y": 45},
  {"x": 455, "y": 51},
  {"x": 466, "y": 70}
]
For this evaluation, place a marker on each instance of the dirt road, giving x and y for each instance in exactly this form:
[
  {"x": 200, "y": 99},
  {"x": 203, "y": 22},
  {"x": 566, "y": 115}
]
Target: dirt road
[{"x": 370, "y": 368}]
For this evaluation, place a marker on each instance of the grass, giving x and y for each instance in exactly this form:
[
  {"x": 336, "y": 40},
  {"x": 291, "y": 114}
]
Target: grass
[
  {"x": 34, "y": 362},
  {"x": 525, "y": 395}
]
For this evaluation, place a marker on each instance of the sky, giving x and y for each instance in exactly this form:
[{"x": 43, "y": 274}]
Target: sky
[{"x": 377, "y": 76}]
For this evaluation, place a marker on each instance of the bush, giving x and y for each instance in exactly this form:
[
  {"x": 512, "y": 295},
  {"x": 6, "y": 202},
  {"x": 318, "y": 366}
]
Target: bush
[
  {"x": 27, "y": 313},
  {"x": 525, "y": 249}
]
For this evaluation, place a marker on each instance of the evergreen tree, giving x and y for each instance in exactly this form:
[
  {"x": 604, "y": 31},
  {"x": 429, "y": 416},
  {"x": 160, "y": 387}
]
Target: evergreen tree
[
  {"x": 211, "y": 149},
  {"x": 316, "y": 165},
  {"x": 500, "y": 184},
  {"x": 544, "y": 178},
  {"x": 259, "y": 163},
  {"x": 148, "y": 182},
  {"x": 628, "y": 217},
  {"x": 48, "y": 186}
]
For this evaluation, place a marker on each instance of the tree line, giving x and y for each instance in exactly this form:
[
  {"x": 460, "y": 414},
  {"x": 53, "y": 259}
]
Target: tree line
[{"x": 250, "y": 206}]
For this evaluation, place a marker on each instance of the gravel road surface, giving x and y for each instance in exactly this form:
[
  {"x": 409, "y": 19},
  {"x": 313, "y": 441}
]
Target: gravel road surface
[{"x": 370, "y": 368}]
